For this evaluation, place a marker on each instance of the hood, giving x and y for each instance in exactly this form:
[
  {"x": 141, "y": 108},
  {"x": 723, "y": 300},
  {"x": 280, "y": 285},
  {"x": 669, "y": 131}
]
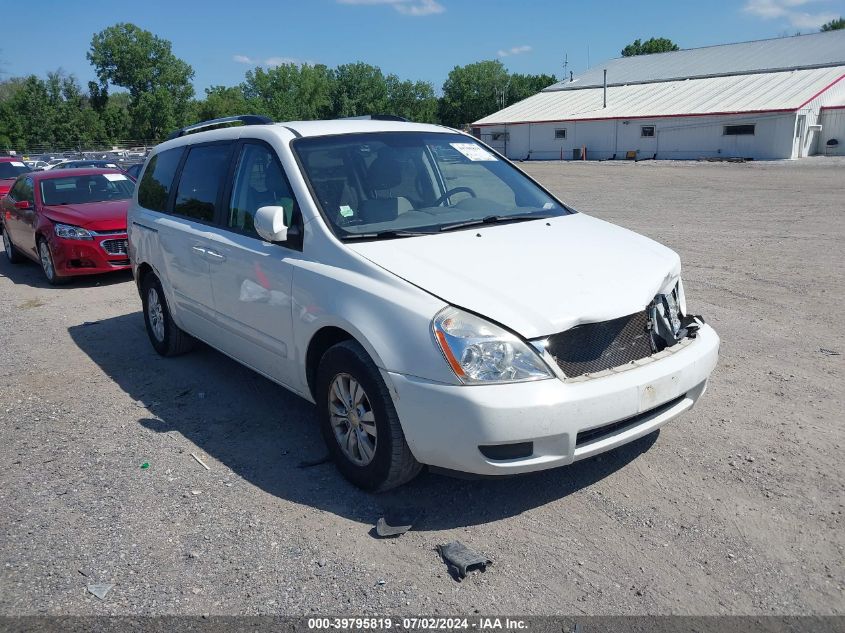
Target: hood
[
  {"x": 95, "y": 216},
  {"x": 538, "y": 277}
]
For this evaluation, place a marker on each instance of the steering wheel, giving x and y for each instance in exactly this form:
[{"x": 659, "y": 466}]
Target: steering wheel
[{"x": 451, "y": 192}]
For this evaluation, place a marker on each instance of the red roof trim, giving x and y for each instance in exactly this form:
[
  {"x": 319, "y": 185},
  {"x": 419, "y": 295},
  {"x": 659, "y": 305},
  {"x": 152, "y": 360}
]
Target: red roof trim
[
  {"x": 842, "y": 107},
  {"x": 823, "y": 90}
]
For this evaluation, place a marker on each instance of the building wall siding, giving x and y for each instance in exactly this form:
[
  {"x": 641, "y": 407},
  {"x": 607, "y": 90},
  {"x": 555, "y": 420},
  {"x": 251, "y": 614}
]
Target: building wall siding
[{"x": 676, "y": 138}]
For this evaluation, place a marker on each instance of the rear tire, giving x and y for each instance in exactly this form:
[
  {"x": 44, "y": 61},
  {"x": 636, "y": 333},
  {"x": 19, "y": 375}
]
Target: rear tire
[
  {"x": 167, "y": 338},
  {"x": 12, "y": 254},
  {"x": 359, "y": 422}
]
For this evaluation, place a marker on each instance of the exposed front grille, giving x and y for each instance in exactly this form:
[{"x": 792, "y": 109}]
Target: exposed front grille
[
  {"x": 115, "y": 247},
  {"x": 594, "y": 347},
  {"x": 591, "y": 435}
]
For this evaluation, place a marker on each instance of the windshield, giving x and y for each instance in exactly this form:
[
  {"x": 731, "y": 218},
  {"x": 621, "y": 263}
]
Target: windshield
[
  {"x": 389, "y": 184},
  {"x": 12, "y": 169},
  {"x": 86, "y": 189}
]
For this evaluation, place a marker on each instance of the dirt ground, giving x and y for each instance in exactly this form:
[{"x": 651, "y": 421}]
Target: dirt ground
[{"x": 734, "y": 508}]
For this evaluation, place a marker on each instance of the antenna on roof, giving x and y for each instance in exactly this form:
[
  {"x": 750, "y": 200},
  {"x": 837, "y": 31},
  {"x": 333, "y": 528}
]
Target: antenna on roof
[{"x": 565, "y": 63}]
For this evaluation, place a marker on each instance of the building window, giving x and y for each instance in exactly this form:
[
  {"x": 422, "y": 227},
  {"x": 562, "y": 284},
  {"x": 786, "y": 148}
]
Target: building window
[
  {"x": 739, "y": 130},
  {"x": 500, "y": 136},
  {"x": 560, "y": 134},
  {"x": 647, "y": 130}
]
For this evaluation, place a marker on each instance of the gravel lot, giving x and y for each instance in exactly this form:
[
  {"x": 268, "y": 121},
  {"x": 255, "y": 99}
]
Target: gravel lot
[{"x": 735, "y": 508}]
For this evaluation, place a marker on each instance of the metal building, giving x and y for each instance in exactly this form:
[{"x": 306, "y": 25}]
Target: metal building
[{"x": 768, "y": 99}]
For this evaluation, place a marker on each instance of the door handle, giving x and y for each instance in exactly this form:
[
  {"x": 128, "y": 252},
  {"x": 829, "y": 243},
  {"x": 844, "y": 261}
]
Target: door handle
[
  {"x": 199, "y": 250},
  {"x": 215, "y": 256}
]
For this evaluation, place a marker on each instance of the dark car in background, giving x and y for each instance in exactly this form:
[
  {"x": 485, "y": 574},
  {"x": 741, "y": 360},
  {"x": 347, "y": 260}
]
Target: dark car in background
[{"x": 71, "y": 221}]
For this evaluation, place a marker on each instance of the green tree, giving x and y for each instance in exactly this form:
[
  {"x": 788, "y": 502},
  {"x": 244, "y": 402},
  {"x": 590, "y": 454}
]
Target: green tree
[
  {"x": 289, "y": 91},
  {"x": 413, "y": 100},
  {"x": 472, "y": 92},
  {"x": 159, "y": 83},
  {"x": 523, "y": 86},
  {"x": 220, "y": 101},
  {"x": 650, "y": 46},
  {"x": 834, "y": 25},
  {"x": 358, "y": 89}
]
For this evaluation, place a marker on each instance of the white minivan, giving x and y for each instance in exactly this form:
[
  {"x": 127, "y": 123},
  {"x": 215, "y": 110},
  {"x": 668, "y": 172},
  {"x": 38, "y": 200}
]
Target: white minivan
[{"x": 438, "y": 305}]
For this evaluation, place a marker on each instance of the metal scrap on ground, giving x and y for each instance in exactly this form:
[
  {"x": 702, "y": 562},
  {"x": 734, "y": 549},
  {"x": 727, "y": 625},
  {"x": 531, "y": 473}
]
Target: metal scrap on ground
[
  {"x": 396, "y": 522},
  {"x": 462, "y": 559}
]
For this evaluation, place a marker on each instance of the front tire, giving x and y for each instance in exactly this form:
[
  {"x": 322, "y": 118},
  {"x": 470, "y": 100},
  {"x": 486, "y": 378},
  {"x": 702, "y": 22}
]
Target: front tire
[
  {"x": 12, "y": 254},
  {"x": 359, "y": 422},
  {"x": 167, "y": 338},
  {"x": 45, "y": 257}
]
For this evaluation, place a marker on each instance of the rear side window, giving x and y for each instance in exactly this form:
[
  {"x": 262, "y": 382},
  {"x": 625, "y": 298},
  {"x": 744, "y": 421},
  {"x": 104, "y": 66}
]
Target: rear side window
[
  {"x": 203, "y": 174},
  {"x": 154, "y": 189}
]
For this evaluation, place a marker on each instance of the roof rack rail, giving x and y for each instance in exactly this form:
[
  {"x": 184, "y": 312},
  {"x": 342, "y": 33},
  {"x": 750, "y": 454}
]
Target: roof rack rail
[
  {"x": 376, "y": 117},
  {"x": 245, "y": 119}
]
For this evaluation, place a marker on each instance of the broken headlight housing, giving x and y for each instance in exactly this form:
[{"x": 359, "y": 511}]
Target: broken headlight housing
[
  {"x": 666, "y": 316},
  {"x": 480, "y": 352}
]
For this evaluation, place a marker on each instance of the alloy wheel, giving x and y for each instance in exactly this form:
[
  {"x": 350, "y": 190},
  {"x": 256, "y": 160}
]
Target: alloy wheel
[
  {"x": 155, "y": 313},
  {"x": 352, "y": 419},
  {"x": 46, "y": 260}
]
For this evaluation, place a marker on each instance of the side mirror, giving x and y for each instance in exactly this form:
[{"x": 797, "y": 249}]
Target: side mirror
[
  {"x": 23, "y": 205},
  {"x": 270, "y": 224}
]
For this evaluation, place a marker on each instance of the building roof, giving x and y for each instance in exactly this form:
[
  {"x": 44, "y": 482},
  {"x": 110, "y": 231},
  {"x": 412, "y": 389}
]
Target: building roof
[
  {"x": 784, "y": 53},
  {"x": 763, "y": 92}
]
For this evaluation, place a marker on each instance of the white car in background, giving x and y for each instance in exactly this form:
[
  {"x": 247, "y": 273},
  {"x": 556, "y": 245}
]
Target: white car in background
[{"x": 436, "y": 304}]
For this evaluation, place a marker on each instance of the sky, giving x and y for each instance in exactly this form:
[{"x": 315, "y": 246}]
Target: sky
[{"x": 414, "y": 39}]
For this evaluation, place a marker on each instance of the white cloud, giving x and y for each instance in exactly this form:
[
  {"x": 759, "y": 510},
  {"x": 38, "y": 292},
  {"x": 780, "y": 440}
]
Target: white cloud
[
  {"x": 788, "y": 10},
  {"x": 270, "y": 61},
  {"x": 515, "y": 50},
  {"x": 406, "y": 7}
]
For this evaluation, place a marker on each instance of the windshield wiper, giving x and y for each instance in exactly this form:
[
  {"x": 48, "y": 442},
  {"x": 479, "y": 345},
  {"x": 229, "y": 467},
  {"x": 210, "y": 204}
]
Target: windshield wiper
[
  {"x": 384, "y": 235},
  {"x": 494, "y": 219}
]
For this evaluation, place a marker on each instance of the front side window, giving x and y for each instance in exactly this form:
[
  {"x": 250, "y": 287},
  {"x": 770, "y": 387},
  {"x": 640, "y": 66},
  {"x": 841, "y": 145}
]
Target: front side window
[
  {"x": 203, "y": 173},
  {"x": 85, "y": 189},
  {"x": 390, "y": 184},
  {"x": 259, "y": 182},
  {"x": 22, "y": 190},
  {"x": 154, "y": 189},
  {"x": 12, "y": 169}
]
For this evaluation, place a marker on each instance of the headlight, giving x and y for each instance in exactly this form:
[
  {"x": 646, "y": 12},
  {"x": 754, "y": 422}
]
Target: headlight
[
  {"x": 72, "y": 232},
  {"x": 481, "y": 352}
]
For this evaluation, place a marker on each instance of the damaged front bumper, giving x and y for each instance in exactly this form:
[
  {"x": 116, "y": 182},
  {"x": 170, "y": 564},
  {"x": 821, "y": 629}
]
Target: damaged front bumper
[{"x": 523, "y": 427}]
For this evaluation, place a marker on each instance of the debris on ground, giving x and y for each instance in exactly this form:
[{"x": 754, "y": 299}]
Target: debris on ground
[
  {"x": 462, "y": 559},
  {"x": 145, "y": 465},
  {"x": 828, "y": 352},
  {"x": 100, "y": 590},
  {"x": 200, "y": 462},
  {"x": 308, "y": 463},
  {"x": 396, "y": 522}
]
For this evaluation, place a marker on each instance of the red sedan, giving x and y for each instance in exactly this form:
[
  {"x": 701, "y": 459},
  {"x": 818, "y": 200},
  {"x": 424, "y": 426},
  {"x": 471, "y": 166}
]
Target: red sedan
[
  {"x": 72, "y": 221},
  {"x": 10, "y": 168}
]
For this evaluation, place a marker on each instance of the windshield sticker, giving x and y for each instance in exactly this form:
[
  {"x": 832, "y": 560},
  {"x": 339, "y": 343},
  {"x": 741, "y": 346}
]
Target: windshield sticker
[
  {"x": 114, "y": 177},
  {"x": 473, "y": 152},
  {"x": 17, "y": 164},
  {"x": 346, "y": 211}
]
